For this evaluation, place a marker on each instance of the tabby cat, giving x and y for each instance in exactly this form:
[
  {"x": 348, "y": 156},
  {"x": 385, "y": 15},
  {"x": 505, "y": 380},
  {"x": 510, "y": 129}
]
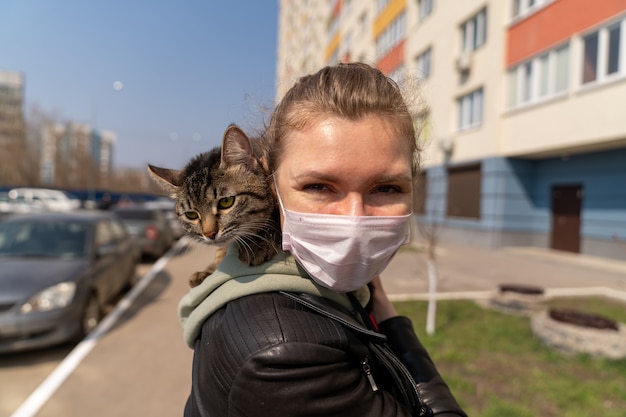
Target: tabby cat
[{"x": 223, "y": 196}]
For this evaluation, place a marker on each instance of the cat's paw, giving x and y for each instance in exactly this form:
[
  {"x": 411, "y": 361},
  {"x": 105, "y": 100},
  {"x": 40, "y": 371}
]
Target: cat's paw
[{"x": 198, "y": 277}]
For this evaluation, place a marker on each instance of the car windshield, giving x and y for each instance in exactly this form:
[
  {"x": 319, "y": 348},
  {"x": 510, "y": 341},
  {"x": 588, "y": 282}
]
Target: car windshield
[{"x": 57, "y": 239}]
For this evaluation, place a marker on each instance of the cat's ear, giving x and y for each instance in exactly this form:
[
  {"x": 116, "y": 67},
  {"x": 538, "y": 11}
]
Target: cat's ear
[
  {"x": 237, "y": 149},
  {"x": 168, "y": 179}
]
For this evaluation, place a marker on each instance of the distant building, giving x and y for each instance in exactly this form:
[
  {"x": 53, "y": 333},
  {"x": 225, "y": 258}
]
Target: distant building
[
  {"x": 74, "y": 154},
  {"x": 12, "y": 127},
  {"x": 525, "y": 136}
]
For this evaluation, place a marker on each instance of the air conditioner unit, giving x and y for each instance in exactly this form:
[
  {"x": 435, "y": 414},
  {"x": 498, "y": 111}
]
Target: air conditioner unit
[{"x": 464, "y": 61}]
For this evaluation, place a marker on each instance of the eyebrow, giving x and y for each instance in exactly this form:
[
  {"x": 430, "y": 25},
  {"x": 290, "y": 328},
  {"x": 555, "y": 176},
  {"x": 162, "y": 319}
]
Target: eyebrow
[
  {"x": 317, "y": 175},
  {"x": 393, "y": 178}
]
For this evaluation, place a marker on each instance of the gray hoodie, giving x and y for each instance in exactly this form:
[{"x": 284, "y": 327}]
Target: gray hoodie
[{"x": 233, "y": 280}]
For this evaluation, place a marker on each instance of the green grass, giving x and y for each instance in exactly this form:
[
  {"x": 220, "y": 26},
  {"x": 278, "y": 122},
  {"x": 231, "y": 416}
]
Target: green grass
[{"x": 496, "y": 367}]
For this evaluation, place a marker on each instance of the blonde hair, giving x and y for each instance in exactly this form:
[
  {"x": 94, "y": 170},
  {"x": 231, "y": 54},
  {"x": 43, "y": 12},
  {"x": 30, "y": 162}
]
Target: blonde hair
[{"x": 347, "y": 90}]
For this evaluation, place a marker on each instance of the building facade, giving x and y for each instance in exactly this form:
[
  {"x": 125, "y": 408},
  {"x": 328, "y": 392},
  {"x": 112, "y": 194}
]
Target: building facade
[
  {"x": 12, "y": 127},
  {"x": 74, "y": 154},
  {"x": 525, "y": 135}
]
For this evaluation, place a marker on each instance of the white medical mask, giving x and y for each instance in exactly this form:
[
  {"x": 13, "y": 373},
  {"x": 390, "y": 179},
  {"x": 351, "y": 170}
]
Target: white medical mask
[{"x": 343, "y": 253}]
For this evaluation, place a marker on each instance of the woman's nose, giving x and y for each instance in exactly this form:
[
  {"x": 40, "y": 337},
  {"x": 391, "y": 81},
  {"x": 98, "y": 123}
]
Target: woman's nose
[{"x": 353, "y": 205}]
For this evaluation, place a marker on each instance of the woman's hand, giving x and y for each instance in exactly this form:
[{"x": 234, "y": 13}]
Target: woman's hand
[{"x": 380, "y": 306}]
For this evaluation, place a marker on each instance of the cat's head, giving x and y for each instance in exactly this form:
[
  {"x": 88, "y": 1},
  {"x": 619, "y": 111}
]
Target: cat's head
[{"x": 223, "y": 194}]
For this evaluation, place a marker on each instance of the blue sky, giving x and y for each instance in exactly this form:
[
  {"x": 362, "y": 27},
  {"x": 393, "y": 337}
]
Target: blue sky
[{"x": 188, "y": 68}]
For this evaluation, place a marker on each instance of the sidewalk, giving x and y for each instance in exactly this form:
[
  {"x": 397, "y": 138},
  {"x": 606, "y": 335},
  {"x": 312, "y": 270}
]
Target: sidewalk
[{"x": 475, "y": 272}]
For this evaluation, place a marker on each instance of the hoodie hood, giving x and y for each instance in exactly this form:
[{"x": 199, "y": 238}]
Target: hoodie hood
[{"x": 233, "y": 280}]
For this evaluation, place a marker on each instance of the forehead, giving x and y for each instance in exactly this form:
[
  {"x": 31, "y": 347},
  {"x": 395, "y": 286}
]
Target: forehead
[
  {"x": 336, "y": 134},
  {"x": 370, "y": 143}
]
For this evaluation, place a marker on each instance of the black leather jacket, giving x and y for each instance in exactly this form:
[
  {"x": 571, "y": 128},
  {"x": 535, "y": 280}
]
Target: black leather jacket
[{"x": 269, "y": 355}]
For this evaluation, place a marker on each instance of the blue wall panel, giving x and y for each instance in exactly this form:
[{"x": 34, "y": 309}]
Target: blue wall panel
[{"x": 516, "y": 193}]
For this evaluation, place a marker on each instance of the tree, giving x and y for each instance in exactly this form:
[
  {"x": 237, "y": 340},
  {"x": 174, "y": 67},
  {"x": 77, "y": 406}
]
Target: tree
[{"x": 429, "y": 230}]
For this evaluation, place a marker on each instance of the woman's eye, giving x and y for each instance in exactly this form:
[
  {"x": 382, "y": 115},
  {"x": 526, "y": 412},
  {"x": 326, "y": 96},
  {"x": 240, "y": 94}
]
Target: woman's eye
[
  {"x": 192, "y": 215},
  {"x": 226, "y": 202},
  {"x": 386, "y": 189},
  {"x": 315, "y": 187}
]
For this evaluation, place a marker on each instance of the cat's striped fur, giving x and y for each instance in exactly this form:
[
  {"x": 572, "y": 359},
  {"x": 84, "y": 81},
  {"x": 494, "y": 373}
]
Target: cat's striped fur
[{"x": 223, "y": 196}]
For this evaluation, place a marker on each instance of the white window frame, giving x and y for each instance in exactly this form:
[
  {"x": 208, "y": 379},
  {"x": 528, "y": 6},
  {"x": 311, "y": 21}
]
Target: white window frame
[
  {"x": 526, "y": 8},
  {"x": 474, "y": 31},
  {"x": 424, "y": 64},
  {"x": 425, "y": 8},
  {"x": 525, "y": 79},
  {"x": 471, "y": 109},
  {"x": 602, "y": 55}
]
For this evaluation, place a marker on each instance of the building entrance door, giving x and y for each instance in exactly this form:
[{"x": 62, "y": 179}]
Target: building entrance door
[{"x": 566, "y": 205}]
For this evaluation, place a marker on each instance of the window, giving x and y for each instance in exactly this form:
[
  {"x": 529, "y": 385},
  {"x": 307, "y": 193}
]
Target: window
[
  {"x": 391, "y": 36},
  {"x": 471, "y": 109},
  {"x": 104, "y": 234},
  {"x": 397, "y": 73},
  {"x": 522, "y": 8},
  {"x": 474, "y": 31},
  {"x": 539, "y": 78},
  {"x": 590, "y": 60},
  {"x": 464, "y": 192},
  {"x": 614, "y": 47},
  {"x": 425, "y": 8},
  {"x": 423, "y": 64},
  {"x": 604, "y": 53}
]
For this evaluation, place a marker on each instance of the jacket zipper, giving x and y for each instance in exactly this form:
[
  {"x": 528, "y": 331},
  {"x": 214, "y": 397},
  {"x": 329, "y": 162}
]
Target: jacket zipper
[
  {"x": 415, "y": 400},
  {"x": 368, "y": 373}
]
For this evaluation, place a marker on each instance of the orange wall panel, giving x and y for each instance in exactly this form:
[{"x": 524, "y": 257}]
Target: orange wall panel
[
  {"x": 556, "y": 23},
  {"x": 393, "y": 59},
  {"x": 384, "y": 19}
]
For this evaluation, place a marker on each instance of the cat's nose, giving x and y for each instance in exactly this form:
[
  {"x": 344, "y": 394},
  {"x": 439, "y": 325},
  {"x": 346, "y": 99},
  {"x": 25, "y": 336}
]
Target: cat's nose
[{"x": 210, "y": 235}]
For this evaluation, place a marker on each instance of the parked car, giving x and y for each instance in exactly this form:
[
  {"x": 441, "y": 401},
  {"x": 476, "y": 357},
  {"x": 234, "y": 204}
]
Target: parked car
[
  {"x": 57, "y": 272},
  {"x": 168, "y": 207},
  {"x": 44, "y": 199},
  {"x": 9, "y": 205},
  {"x": 149, "y": 226}
]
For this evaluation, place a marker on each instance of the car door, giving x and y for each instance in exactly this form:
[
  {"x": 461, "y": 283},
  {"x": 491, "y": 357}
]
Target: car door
[
  {"x": 128, "y": 249},
  {"x": 105, "y": 259},
  {"x": 164, "y": 229}
]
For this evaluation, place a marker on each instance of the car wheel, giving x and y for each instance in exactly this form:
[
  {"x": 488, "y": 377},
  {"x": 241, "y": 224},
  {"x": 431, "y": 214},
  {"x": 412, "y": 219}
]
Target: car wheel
[{"x": 92, "y": 314}]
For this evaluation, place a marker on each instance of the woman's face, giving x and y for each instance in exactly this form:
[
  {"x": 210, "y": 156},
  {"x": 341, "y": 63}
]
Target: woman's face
[{"x": 339, "y": 166}]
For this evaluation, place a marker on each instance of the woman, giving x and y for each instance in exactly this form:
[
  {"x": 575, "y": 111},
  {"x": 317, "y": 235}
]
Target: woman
[{"x": 291, "y": 337}]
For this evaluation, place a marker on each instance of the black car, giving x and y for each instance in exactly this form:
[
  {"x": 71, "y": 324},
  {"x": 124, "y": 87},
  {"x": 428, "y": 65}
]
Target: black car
[
  {"x": 57, "y": 272},
  {"x": 150, "y": 226}
]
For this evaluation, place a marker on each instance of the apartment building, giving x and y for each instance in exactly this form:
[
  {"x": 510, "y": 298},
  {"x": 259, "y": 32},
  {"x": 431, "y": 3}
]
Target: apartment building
[
  {"x": 525, "y": 134},
  {"x": 76, "y": 154},
  {"x": 12, "y": 126}
]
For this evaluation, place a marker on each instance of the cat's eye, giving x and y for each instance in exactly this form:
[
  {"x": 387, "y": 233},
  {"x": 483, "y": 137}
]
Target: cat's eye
[
  {"x": 192, "y": 215},
  {"x": 226, "y": 202}
]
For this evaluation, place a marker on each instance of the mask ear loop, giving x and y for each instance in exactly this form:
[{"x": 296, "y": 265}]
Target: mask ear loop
[{"x": 280, "y": 200}]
